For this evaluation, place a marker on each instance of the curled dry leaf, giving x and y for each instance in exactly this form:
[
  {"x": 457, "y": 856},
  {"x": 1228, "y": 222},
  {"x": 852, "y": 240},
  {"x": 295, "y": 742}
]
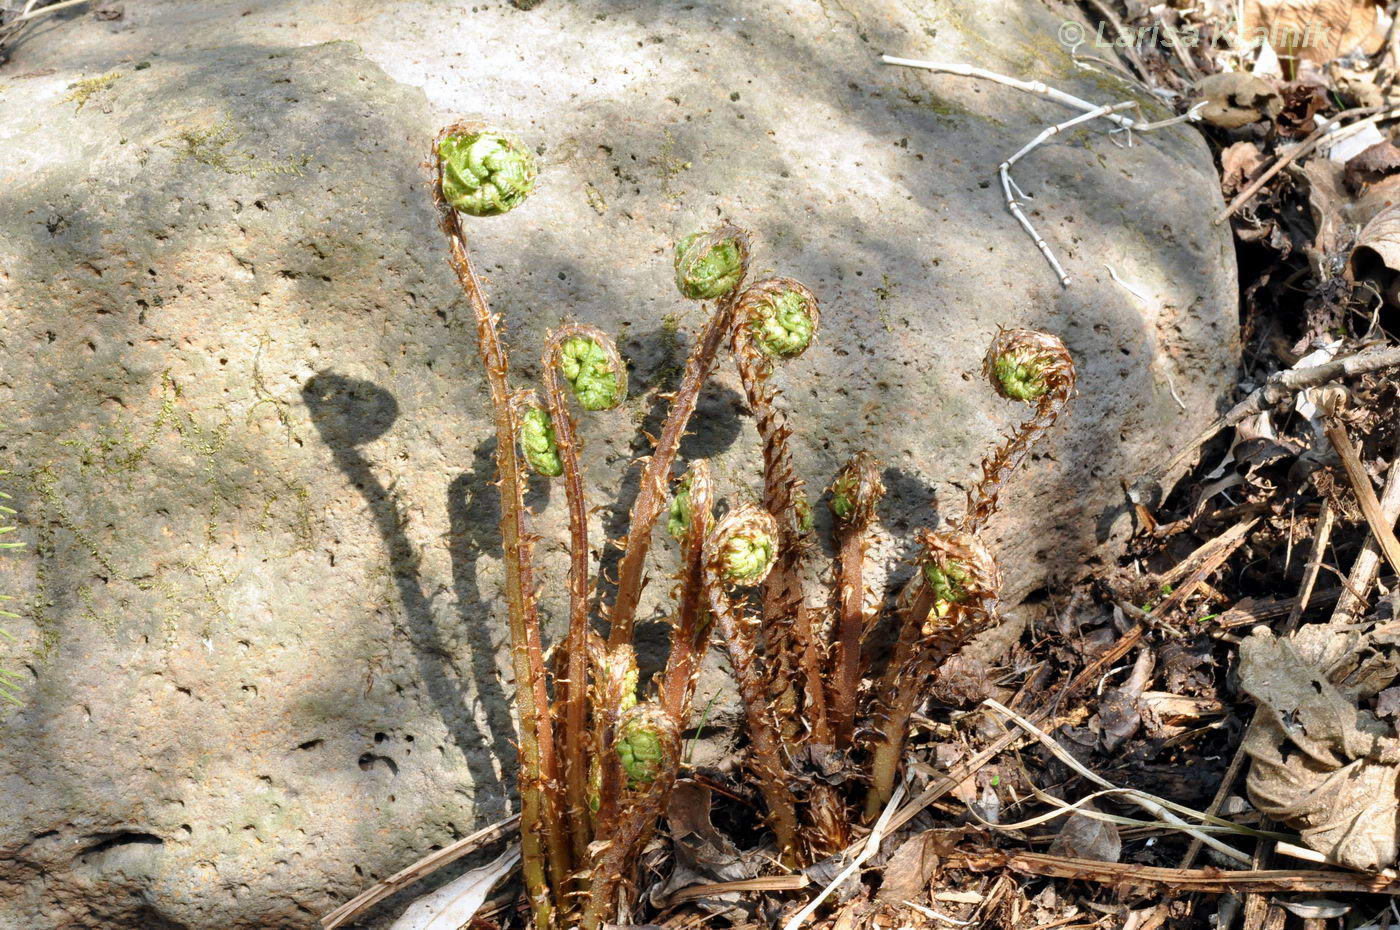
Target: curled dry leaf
[
  {"x": 1234, "y": 99},
  {"x": 1238, "y": 165},
  {"x": 1319, "y": 763},
  {"x": 456, "y": 903},
  {"x": 1376, "y": 255},
  {"x": 1083, "y": 836}
]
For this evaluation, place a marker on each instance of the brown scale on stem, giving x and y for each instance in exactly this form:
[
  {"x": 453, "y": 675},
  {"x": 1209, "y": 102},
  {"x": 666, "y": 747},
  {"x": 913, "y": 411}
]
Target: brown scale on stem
[
  {"x": 854, "y": 496},
  {"x": 544, "y": 859},
  {"x": 951, "y": 599},
  {"x": 726, "y": 246},
  {"x": 1032, "y": 367},
  {"x": 646, "y": 750},
  {"x": 777, "y": 318},
  {"x": 691, "y": 519},
  {"x": 587, "y": 360},
  {"x": 740, "y": 551}
]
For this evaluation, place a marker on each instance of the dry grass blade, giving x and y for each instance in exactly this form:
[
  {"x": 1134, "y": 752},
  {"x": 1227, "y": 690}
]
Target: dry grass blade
[
  {"x": 872, "y": 846},
  {"x": 419, "y": 870},
  {"x": 1154, "y": 805}
]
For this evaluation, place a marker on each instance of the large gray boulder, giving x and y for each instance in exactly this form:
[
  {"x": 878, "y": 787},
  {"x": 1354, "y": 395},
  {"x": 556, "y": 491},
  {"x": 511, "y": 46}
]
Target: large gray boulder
[{"x": 251, "y": 451}]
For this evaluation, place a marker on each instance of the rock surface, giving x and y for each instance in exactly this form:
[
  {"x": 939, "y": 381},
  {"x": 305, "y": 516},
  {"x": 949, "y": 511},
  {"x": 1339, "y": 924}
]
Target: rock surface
[{"x": 250, "y": 444}]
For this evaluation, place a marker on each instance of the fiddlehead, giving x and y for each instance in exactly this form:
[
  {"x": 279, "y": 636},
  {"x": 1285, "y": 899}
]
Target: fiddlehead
[
  {"x": 854, "y": 496},
  {"x": 538, "y": 444},
  {"x": 542, "y": 844},
  {"x": 588, "y": 360},
  {"x": 1032, "y": 367},
  {"x": 777, "y": 318},
  {"x": 948, "y": 601},
  {"x": 689, "y": 521},
  {"x": 740, "y": 551},
  {"x": 652, "y": 493},
  {"x": 647, "y": 751},
  {"x": 485, "y": 172},
  {"x": 711, "y": 264}
]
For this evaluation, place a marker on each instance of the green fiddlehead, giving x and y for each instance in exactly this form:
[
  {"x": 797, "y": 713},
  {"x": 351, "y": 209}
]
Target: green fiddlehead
[
  {"x": 538, "y": 444},
  {"x": 711, "y": 264},
  {"x": 589, "y": 361},
  {"x": 1034, "y": 368},
  {"x": 948, "y": 601},
  {"x": 485, "y": 172}
]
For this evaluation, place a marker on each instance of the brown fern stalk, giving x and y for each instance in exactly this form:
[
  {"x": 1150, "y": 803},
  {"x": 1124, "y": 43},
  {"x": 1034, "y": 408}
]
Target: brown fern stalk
[
  {"x": 692, "y": 626},
  {"x": 650, "y": 739},
  {"x": 951, "y": 599},
  {"x": 544, "y": 855},
  {"x": 572, "y": 689},
  {"x": 651, "y": 495},
  {"x": 1032, "y": 367},
  {"x": 854, "y": 495},
  {"x": 730, "y": 558},
  {"x": 787, "y": 621}
]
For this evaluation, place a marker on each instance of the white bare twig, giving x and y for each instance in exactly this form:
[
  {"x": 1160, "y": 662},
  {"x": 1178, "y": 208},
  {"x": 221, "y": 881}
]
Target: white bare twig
[{"x": 1090, "y": 111}]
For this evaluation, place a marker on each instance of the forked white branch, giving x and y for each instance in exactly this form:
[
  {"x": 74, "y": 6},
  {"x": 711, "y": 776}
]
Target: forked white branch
[{"x": 1090, "y": 111}]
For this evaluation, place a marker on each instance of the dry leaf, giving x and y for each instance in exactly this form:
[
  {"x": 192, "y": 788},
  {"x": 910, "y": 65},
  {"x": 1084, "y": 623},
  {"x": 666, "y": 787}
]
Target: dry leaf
[
  {"x": 1379, "y": 161},
  {"x": 455, "y": 904},
  {"x": 1312, "y": 30},
  {"x": 1376, "y": 255},
  {"x": 1318, "y": 762},
  {"x": 1234, "y": 99},
  {"x": 1238, "y": 165},
  {"x": 1084, "y": 837},
  {"x": 910, "y": 869}
]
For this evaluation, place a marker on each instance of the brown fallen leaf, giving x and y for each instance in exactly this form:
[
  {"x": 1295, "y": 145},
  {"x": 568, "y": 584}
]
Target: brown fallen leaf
[
  {"x": 910, "y": 869},
  {"x": 1238, "y": 165},
  {"x": 1234, "y": 99},
  {"x": 1376, "y": 256},
  {"x": 1310, "y": 30},
  {"x": 1085, "y": 837},
  {"x": 1319, "y": 763},
  {"x": 1374, "y": 164}
]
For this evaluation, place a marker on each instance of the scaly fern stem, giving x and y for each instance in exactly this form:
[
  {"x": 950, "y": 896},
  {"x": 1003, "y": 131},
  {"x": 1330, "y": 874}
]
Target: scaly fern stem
[
  {"x": 691, "y": 629},
  {"x": 652, "y": 494},
  {"x": 572, "y": 690},
  {"x": 544, "y": 853},
  {"x": 762, "y": 729},
  {"x": 786, "y": 618}
]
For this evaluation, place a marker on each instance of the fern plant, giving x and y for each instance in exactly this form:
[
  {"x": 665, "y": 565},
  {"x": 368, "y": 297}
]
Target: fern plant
[{"x": 597, "y": 755}]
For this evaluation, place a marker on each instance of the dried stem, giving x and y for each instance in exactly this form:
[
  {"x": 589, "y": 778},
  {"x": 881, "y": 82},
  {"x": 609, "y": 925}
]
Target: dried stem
[
  {"x": 737, "y": 634},
  {"x": 855, "y": 494},
  {"x": 541, "y": 830},
  {"x": 572, "y": 689},
  {"x": 651, "y": 495}
]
